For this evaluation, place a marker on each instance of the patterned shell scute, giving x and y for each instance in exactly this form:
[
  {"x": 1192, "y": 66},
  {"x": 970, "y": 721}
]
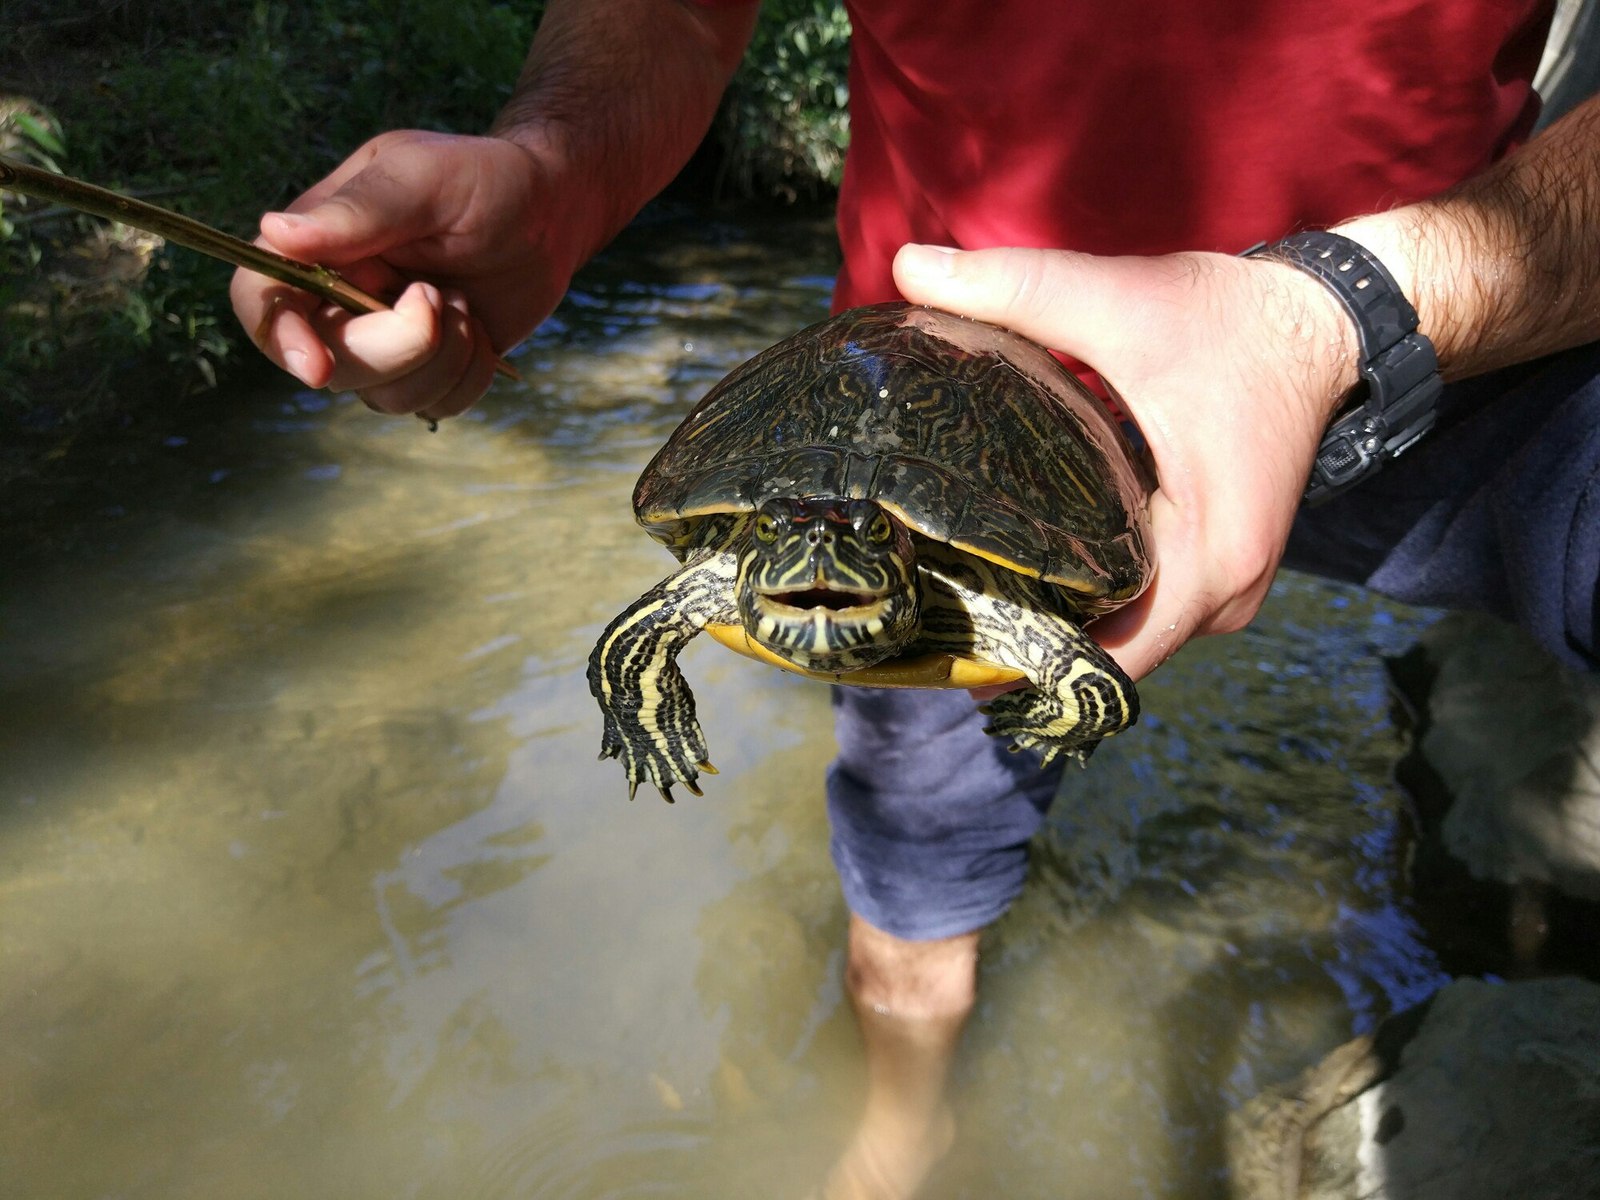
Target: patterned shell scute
[{"x": 974, "y": 435}]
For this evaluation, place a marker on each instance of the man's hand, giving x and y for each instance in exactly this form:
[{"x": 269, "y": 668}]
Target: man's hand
[
  {"x": 1232, "y": 368},
  {"x": 455, "y": 211}
]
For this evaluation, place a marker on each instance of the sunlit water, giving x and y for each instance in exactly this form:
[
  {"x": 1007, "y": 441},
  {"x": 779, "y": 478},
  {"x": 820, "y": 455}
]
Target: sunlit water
[{"x": 310, "y": 884}]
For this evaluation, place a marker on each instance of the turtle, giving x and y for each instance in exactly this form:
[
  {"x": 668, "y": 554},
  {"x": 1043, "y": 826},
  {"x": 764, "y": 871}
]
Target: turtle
[{"x": 893, "y": 497}]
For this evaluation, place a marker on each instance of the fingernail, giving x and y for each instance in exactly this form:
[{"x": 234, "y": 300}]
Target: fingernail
[
  {"x": 934, "y": 262},
  {"x": 296, "y": 362},
  {"x": 292, "y": 220}
]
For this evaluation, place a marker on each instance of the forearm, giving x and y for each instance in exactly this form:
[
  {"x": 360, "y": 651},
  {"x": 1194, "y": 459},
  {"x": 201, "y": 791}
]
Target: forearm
[
  {"x": 1505, "y": 267},
  {"x": 617, "y": 95}
]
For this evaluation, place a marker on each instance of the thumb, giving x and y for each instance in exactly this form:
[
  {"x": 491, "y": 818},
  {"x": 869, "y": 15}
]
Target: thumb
[
  {"x": 1056, "y": 297},
  {"x": 370, "y": 213}
]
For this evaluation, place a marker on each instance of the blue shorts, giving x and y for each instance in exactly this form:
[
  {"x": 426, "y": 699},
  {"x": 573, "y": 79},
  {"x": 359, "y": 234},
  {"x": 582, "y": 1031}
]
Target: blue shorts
[{"x": 1497, "y": 509}]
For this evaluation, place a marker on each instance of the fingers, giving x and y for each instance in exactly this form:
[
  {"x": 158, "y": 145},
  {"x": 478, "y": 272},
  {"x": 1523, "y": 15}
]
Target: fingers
[
  {"x": 987, "y": 693},
  {"x": 302, "y": 333},
  {"x": 356, "y": 224},
  {"x": 324, "y": 346},
  {"x": 450, "y": 380},
  {"x": 1058, "y": 298},
  {"x": 278, "y": 320},
  {"x": 346, "y": 222},
  {"x": 383, "y": 196},
  {"x": 1198, "y": 590},
  {"x": 427, "y": 355},
  {"x": 379, "y": 348}
]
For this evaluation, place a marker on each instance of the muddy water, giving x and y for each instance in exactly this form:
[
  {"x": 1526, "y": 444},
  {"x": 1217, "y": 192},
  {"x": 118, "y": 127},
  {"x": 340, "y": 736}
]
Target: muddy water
[{"x": 310, "y": 884}]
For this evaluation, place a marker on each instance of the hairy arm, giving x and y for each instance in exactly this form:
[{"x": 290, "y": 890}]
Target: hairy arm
[
  {"x": 1505, "y": 267},
  {"x": 619, "y": 94}
]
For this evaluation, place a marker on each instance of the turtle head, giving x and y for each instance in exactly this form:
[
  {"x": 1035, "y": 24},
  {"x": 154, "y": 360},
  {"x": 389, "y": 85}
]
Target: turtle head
[{"x": 828, "y": 584}]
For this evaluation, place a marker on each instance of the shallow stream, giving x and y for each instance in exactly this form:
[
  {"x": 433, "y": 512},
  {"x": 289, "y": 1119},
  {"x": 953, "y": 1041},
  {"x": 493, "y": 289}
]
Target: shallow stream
[{"x": 311, "y": 885}]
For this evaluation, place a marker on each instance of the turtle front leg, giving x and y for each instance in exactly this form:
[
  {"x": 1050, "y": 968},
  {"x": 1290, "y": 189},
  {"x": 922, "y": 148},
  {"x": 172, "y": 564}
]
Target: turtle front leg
[
  {"x": 1079, "y": 694},
  {"x": 1068, "y": 711},
  {"x": 649, "y": 714}
]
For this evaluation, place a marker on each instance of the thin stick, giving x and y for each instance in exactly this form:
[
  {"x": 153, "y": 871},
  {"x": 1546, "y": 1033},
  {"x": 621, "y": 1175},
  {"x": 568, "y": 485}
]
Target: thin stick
[{"x": 194, "y": 235}]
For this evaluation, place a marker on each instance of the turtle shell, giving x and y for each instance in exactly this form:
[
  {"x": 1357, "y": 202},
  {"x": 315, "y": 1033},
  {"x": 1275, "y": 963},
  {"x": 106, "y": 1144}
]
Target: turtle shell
[{"x": 971, "y": 434}]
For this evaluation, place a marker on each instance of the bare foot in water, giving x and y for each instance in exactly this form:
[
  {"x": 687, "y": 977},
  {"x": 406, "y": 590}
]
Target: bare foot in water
[
  {"x": 910, "y": 999},
  {"x": 889, "y": 1160}
]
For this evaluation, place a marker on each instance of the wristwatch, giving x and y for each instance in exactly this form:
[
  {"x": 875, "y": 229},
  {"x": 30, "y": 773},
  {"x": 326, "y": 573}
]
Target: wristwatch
[{"x": 1398, "y": 400}]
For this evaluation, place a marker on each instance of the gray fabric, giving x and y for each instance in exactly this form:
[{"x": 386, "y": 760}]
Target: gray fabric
[
  {"x": 1498, "y": 509},
  {"x": 931, "y": 816}
]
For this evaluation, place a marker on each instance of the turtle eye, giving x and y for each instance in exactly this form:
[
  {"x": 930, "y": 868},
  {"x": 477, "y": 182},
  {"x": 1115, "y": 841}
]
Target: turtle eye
[
  {"x": 880, "y": 531},
  {"x": 766, "y": 528}
]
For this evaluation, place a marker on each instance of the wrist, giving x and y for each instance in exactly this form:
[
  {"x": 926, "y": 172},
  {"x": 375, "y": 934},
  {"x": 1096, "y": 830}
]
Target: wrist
[
  {"x": 1393, "y": 242},
  {"x": 1327, "y": 342},
  {"x": 571, "y": 226},
  {"x": 1397, "y": 402},
  {"x": 1337, "y": 365}
]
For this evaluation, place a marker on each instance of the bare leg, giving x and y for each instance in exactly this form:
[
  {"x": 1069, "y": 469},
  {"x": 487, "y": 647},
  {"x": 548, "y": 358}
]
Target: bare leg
[{"x": 911, "y": 1001}]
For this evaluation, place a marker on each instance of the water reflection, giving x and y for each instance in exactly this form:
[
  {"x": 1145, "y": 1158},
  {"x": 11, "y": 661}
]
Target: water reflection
[
  {"x": 310, "y": 883},
  {"x": 1209, "y": 911}
]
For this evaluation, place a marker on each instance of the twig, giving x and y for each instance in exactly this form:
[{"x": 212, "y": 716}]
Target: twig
[
  {"x": 56, "y": 211},
  {"x": 194, "y": 235}
]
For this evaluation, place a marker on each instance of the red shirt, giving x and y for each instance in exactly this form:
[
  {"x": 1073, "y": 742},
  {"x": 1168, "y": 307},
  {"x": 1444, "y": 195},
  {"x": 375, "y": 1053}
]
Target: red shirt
[{"x": 1139, "y": 127}]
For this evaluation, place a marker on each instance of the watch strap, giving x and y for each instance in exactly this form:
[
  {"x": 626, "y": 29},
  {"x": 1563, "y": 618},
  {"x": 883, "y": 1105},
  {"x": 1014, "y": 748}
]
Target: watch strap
[{"x": 1399, "y": 368}]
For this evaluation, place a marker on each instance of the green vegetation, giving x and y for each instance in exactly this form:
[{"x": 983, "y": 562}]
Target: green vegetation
[
  {"x": 784, "y": 127},
  {"x": 223, "y": 110}
]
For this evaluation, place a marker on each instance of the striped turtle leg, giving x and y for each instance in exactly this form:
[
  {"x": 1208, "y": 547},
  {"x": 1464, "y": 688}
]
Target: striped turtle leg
[
  {"x": 633, "y": 672},
  {"x": 1079, "y": 694}
]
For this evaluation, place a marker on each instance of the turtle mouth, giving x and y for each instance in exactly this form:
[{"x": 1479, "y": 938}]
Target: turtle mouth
[
  {"x": 830, "y": 629},
  {"x": 832, "y": 599}
]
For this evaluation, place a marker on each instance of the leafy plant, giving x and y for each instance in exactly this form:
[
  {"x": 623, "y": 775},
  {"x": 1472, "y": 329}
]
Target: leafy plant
[
  {"x": 31, "y": 136},
  {"x": 785, "y": 123}
]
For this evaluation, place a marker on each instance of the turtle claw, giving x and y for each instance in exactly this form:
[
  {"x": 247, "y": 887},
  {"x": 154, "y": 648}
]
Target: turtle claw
[
  {"x": 705, "y": 765},
  {"x": 659, "y": 770},
  {"x": 1015, "y": 747},
  {"x": 1030, "y": 720}
]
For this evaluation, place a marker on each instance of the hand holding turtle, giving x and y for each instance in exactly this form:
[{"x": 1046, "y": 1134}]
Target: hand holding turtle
[
  {"x": 411, "y": 206},
  {"x": 1231, "y": 368}
]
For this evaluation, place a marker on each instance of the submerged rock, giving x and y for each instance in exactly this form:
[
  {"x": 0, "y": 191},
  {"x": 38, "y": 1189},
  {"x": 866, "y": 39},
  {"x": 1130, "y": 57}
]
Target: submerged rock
[
  {"x": 1504, "y": 775},
  {"x": 1486, "y": 1092}
]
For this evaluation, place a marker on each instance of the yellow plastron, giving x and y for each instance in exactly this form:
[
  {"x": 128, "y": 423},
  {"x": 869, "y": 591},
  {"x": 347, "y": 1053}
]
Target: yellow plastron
[{"x": 913, "y": 671}]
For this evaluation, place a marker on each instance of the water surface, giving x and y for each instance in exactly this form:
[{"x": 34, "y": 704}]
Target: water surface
[{"x": 310, "y": 884}]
